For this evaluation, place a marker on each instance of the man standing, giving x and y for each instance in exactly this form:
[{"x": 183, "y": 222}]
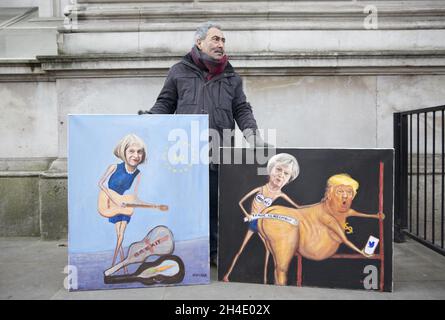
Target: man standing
[{"x": 204, "y": 82}]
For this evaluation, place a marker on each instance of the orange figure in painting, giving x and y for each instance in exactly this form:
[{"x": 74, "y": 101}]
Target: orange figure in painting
[
  {"x": 282, "y": 169},
  {"x": 320, "y": 228}
]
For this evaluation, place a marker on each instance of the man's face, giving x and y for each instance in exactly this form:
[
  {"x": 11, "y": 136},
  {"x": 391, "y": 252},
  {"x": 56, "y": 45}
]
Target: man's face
[
  {"x": 340, "y": 198},
  {"x": 213, "y": 44}
]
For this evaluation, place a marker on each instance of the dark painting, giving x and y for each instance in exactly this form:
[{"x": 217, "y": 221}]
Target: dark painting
[{"x": 307, "y": 217}]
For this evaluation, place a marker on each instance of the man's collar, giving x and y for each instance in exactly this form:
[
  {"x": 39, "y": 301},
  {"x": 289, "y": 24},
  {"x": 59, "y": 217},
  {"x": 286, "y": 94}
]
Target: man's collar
[{"x": 188, "y": 58}]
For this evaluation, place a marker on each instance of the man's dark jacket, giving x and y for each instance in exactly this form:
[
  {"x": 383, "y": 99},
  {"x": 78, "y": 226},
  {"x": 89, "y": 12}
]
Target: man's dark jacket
[{"x": 186, "y": 91}]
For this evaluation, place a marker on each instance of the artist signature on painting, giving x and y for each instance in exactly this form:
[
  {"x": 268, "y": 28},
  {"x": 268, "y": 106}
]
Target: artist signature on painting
[{"x": 199, "y": 274}]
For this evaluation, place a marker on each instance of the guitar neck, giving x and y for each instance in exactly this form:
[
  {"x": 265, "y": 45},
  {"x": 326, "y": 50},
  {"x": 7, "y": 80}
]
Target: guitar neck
[
  {"x": 116, "y": 267},
  {"x": 141, "y": 205}
]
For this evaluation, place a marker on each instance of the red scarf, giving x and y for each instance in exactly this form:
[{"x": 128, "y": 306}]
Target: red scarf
[{"x": 207, "y": 63}]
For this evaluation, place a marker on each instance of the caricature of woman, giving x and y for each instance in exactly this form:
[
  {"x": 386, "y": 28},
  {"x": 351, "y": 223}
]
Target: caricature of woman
[
  {"x": 132, "y": 151},
  {"x": 282, "y": 169}
]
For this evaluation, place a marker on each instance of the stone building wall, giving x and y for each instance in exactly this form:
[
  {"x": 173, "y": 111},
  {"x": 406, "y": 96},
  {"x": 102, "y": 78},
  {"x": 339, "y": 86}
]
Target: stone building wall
[{"x": 316, "y": 71}]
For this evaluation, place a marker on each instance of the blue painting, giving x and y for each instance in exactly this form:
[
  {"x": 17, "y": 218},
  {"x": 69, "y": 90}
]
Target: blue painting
[{"x": 138, "y": 201}]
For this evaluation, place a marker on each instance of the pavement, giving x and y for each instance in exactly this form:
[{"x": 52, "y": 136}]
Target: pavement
[{"x": 34, "y": 269}]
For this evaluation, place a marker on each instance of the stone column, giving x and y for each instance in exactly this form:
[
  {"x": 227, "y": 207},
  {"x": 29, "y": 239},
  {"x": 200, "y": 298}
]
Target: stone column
[{"x": 52, "y": 8}]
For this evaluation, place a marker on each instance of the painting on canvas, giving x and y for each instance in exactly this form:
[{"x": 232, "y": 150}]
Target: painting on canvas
[
  {"x": 137, "y": 201},
  {"x": 307, "y": 217}
]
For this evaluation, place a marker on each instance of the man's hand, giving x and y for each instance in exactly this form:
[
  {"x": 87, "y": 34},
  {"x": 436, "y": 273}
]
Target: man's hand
[{"x": 255, "y": 141}]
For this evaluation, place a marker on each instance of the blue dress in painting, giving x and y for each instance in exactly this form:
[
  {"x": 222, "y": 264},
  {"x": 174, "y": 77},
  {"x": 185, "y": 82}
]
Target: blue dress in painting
[{"x": 120, "y": 181}]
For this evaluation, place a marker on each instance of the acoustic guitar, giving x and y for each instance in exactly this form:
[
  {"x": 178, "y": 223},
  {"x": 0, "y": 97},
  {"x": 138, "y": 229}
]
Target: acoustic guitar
[{"x": 108, "y": 208}]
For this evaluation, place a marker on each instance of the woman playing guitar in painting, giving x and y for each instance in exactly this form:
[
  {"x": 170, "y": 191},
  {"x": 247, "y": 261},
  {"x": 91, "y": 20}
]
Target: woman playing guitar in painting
[{"x": 132, "y": 151}]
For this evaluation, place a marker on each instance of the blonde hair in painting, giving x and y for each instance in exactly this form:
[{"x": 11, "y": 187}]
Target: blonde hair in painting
[
  {"x": 125, "y": 142},
  {"x": 343, "y": 179}
]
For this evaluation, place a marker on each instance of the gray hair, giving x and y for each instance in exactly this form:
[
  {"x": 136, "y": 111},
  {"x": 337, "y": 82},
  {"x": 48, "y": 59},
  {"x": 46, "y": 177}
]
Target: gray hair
[
  {"x": 287, "y": 159},
  {"x": 125, "y": 142},
  {"x": 201, "y": 31}
]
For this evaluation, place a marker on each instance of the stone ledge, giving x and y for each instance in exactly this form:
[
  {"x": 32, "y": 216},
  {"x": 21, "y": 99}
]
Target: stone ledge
[
  {"x": 120, "y": 1},
  {"x": 384, "y": 62},
  {"x": 46, "y": 168},
  {"x": 255, "y": 42},
  {"x": 20, "y": 66},
  {"x": 59, "y": 165},
  {"x": 19, "y": 174},
  {"x": 49, "y": 68},
  {"x": 249, "y": 15},
  {"x": 50, "y": 175},
  {"x": 25, "y": 164}
]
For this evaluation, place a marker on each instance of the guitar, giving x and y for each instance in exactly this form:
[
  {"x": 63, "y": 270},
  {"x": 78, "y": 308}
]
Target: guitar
[
  {"x": 168, "y": 269},
  {"x": 158, "y": 241},
  {"x": 108, "y": 208}
]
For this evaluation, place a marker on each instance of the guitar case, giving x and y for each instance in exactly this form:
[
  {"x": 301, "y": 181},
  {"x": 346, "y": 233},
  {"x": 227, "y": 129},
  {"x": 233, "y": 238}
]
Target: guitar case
[{"x": 157, "y": 279}]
